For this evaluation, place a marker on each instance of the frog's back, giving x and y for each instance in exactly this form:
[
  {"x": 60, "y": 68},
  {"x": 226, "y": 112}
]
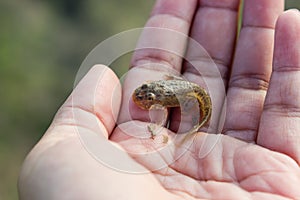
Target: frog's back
[
  {"x": 178, "y": 87},
  {"x": 184, "y": 90}
]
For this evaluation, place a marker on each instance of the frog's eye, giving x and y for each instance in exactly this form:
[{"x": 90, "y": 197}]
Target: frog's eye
[
  {"x": 144, "y": 86},
  {"x": 139, "y": 97},
  {"x": 150, "y": 96}
]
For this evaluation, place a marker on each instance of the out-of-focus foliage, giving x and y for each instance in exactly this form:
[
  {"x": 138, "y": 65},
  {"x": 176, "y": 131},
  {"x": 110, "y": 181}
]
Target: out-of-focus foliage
[
  {"x": 42, "y": 44},
  {"x": 289, "y": 4}
]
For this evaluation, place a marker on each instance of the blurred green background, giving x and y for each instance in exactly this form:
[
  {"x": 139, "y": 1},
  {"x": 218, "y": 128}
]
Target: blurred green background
[{"x": 42, "y": 44}]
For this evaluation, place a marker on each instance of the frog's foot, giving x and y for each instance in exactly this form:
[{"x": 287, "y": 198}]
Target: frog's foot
[{"x": 152, "y": 128}]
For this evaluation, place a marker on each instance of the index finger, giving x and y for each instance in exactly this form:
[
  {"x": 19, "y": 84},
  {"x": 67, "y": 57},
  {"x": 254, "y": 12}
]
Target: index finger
[{"x": 158, "y": 50}]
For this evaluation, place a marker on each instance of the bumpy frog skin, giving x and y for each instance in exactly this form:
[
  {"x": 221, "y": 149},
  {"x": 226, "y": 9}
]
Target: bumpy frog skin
[{"x": 171, "y": 93}]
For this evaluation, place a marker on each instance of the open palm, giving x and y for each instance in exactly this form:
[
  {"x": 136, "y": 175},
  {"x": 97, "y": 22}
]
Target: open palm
[{"x": 256, "y": 157}]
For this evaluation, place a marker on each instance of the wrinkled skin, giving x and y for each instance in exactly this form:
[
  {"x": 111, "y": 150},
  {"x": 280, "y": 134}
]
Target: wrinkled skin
[{"x": 258, "y": 155}]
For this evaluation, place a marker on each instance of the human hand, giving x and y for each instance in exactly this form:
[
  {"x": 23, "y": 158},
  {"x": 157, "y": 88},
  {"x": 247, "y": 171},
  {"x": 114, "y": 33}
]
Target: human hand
[{"x": 60, "y": 167}]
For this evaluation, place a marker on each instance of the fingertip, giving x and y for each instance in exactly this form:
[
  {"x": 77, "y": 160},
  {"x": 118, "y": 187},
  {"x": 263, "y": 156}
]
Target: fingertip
[
  {"x": 287, "y": 41},
  {"x": 107, "y": 72},
  {"x": 95, "y": 99},
  {"x": 288, "y": 16},
  {"x": 262, "y": 13},
  {"x": 292, "y": 10},
  {"x": 177, "y": 8},
  {"x": 99, "y": 68},
  {"x": 288, "y": 21}
]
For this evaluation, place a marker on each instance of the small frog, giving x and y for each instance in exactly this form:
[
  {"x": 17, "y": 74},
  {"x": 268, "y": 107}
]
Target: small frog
[{"x": 170, "y": 93}]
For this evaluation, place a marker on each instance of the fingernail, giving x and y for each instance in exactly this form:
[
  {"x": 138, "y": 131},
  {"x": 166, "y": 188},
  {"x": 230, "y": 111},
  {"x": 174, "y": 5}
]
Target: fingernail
[{"x": 293, "y": 10}]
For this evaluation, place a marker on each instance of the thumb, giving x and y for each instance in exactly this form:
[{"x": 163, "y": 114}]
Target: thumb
[
  {"x": 62, "y": 158},
  {"x": 94, "y": 103}
]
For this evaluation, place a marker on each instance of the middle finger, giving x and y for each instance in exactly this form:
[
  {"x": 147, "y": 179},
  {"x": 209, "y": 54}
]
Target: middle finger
[{"x": 215, "y": 29}]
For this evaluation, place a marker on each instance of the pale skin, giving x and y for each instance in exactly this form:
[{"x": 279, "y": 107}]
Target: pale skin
[{"x": 258, "y": 155}]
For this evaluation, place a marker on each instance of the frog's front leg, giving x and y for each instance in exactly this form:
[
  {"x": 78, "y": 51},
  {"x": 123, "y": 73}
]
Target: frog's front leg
[
  {"x": 157, "y": 119},
  {"x": 153, "y": 129}
]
